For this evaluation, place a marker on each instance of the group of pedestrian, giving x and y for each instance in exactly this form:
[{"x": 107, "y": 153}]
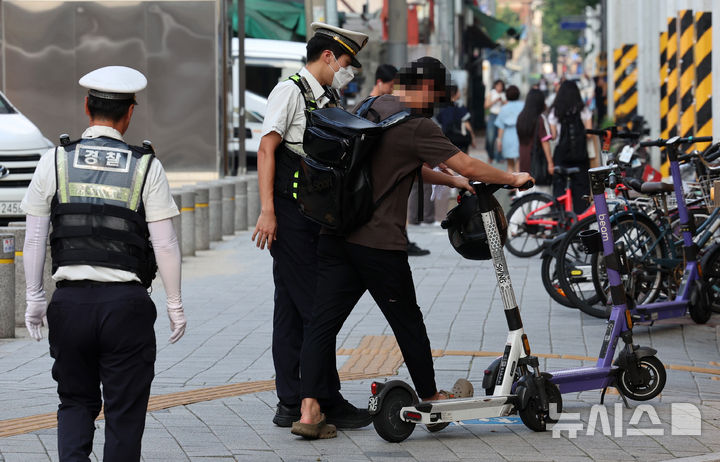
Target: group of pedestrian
[
  {"x": 529, "y": 136},
  {"x": 110, "y": 207}
]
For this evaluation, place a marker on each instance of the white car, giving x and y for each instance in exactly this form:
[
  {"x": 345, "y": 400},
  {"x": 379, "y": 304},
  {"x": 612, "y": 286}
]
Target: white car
[
  {"x": 21, "y": 146},
  {"x": 255, "y": 106}
]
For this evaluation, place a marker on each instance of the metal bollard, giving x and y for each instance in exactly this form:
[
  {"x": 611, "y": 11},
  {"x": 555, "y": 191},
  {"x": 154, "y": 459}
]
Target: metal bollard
[
  {"x": 228, "y": 207},
  {"x": 18, "y": 229},
  {"x": 187, "y": 219},
  {"x": 202, "y": 222},
  {"x": 253, "y": 199},
  {"x": 7, "y": 286},
  {"x": 215, "y": 212},
  {"x": 241, "y": 222},
  {"x": 177, "y": 220}
]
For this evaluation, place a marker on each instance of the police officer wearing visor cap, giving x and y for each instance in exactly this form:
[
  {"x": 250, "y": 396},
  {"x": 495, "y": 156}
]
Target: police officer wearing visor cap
[
  {"x": 110, "y": 207},
  {"x": 291, "y": 238}
]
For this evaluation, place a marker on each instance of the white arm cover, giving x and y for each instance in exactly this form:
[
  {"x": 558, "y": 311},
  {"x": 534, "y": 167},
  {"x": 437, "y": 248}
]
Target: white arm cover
[
  {"x": 167, "y": 254},
  {"x": 34, "y": 257}
]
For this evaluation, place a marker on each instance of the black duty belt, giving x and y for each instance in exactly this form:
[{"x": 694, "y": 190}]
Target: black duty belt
[{"x": 89, "y": 283}]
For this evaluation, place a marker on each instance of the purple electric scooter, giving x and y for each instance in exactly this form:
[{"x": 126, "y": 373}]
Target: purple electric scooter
[{"x": 636, "y": 373}]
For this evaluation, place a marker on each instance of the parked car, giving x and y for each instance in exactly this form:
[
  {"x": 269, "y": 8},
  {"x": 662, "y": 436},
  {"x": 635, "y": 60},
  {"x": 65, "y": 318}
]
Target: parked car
[{"x": 21, "y": 146}]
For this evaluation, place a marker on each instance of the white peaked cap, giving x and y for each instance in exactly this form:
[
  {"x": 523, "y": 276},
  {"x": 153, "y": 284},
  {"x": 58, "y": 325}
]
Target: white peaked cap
[{"x": 114, "y": 82}]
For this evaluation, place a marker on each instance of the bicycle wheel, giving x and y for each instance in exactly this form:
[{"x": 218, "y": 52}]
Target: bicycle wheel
[
  {"x": 711, "y": 275},
  {"x": 551, "y": 281},
  {"x": 575, "y": 269},
  {"x": 525, "y": 240},
  {"x": 644, "y": 247}
]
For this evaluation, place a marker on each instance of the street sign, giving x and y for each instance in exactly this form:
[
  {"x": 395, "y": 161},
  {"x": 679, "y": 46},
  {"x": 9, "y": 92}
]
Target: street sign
[{"x": 573, "y": 23}]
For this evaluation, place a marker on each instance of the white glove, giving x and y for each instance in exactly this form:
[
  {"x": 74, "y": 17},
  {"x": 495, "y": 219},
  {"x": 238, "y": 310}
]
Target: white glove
[
  {"x": 34, "y": 314},
  {"x": 177, "y": 322}
]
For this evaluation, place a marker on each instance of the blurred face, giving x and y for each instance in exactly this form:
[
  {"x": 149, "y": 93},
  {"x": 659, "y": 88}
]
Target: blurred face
[
  {"x": 421, "y": 97},
  {"x": 384, "y": 88},
  {"x": 499, "y": 87},
  {"x": 333, "y": 65}
]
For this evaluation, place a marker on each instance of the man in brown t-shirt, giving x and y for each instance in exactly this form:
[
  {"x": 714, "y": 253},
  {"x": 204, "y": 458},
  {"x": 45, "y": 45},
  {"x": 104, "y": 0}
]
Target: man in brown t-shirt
[{"x": 374, "y": 256}]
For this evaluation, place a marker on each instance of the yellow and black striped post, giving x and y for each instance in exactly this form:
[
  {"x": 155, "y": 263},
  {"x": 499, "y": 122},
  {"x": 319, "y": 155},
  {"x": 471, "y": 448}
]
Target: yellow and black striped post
[
  {"x": 703, "y": 73},
  {"x": 663, "y": 85},
  {"x": 673, "y": 113},
  {"x": 687, "y": 73},
  {"x": 625, "y": 96}
]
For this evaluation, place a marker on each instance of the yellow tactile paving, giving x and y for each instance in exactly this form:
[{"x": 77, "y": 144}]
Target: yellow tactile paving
[{"x": 376, "y": 356}]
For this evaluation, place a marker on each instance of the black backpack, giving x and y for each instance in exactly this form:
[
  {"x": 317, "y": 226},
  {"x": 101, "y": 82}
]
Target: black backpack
[
  {"x": 334, "y": 185},
  {"x": 571, "y": 148}
]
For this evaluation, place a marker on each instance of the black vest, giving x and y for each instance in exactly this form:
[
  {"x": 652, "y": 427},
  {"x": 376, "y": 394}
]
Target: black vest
[{"x": 97, "y": 212}]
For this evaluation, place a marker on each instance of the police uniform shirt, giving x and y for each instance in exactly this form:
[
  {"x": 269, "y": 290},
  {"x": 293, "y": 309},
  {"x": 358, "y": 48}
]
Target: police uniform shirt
[
  {"x": 156, "y": 196},
  {"x": 286, "y": 109}
]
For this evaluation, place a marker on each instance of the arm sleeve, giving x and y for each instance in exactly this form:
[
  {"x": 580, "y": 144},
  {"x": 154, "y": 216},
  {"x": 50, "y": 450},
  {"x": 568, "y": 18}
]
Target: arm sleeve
[
  {"x": 34, "y": 256},
  {"x": 167, "y": 254},
  {"x": 281, "y": 106}
]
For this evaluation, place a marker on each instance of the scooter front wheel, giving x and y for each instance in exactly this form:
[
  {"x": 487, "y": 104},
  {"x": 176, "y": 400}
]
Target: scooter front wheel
[
  {"x": 387, "y": 422},
  {"x": 534, "y": 417},
  {"x": 653, "y": 377}
]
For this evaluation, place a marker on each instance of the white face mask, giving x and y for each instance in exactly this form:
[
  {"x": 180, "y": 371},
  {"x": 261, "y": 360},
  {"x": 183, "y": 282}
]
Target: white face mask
[{"x": 342, "y": 76}]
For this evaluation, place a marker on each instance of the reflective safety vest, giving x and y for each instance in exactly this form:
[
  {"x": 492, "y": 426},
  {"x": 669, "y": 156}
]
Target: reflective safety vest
[{"x": 97, "y": 212}]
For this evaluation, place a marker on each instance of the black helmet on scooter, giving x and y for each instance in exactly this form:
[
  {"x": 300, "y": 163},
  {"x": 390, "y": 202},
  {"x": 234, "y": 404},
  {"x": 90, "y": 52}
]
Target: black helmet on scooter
[{"x": 465, "y": 225}]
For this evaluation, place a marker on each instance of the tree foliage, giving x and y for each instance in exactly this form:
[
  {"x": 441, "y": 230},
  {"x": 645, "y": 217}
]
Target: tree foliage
[{"x": 553, "y": 12}]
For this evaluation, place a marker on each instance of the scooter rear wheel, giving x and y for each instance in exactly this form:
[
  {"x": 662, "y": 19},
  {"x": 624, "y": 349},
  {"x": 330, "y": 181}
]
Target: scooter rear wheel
[
  {"x": 387, "y": 422},
  {"x": 654, "y": 375},
  {"x": 536, "y": 419}
]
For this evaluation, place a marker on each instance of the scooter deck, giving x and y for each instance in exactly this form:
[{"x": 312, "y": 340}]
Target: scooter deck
[
  {"x": 583, "y": 378},
  {"x": 453, "y": 410}
]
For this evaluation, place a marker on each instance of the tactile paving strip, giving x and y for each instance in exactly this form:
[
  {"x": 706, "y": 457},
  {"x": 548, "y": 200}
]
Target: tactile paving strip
[{"x": 376, "y": 356}]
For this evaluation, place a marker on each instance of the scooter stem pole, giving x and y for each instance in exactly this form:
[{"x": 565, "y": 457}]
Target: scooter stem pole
[
  {"x": 512, "y": 312},
  {"x": 678, "y": 184}
]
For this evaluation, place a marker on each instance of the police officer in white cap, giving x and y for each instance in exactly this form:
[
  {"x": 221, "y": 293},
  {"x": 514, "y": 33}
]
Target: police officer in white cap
[
  {"x": 110, "y": 207},
  {"x": 290, "y": 237}
]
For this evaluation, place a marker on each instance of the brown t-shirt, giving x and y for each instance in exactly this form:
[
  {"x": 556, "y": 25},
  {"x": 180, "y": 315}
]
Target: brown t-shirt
[{"x": 400, "y": 151}]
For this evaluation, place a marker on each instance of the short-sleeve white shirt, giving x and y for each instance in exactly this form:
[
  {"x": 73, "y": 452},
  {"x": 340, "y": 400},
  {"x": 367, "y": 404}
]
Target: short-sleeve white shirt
[
  {"x": 286, "y": 108},
  {"x": 156, "y": 196}
]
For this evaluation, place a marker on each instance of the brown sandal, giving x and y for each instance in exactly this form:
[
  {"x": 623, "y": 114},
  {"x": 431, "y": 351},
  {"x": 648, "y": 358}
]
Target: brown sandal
[{"x": 319, "y": 431}]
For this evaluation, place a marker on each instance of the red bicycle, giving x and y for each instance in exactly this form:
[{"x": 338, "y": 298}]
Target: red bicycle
[{"x": 537, "y": 216}]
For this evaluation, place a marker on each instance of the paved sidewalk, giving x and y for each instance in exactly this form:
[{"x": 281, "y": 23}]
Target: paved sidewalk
[{"x": 228, "y": 298}]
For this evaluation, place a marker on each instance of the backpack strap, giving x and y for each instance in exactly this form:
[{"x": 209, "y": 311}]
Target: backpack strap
[{"x": 305, "y": 90}]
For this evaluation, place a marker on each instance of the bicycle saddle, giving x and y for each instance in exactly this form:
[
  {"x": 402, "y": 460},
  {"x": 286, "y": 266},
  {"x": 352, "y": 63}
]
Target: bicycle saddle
[
  {"x": 656, "y": 187},
  {"x": 566, "y": 170}
]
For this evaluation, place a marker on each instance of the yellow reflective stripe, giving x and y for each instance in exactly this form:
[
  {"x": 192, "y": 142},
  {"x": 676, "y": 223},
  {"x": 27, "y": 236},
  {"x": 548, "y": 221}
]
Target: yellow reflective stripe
[
  {"x": 297, "y": 174},
  {"x": 294, "y": 195},
  {"x": 295, "y": 184},
  {"x": 5, "y": 261},
  {"x": 18, "y": 254},
  {"x": 187, "y": 209},
  {"x": 100, "y": 191},
  {"x": 337, "y": 39},
  {"x": 62, "y": 174},
  {"x": 137, "y": 182},
  {"x": 201, "y": 205}
]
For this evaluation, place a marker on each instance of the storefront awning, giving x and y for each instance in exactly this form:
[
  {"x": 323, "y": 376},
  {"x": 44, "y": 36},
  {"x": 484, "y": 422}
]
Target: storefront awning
[{"x": 272, "y": 19}]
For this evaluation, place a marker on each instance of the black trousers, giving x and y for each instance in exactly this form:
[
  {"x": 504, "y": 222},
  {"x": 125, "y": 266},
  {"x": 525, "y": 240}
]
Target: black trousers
[
  {"x": 346, "y": 271},
  {"x": 102, "y": 335},
  {"x": 295, "y": 274},
  {"x": 580, "y": 184}
]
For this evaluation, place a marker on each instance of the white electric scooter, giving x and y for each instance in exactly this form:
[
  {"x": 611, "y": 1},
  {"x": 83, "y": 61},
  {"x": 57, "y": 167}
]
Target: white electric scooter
[{"x": 520, "y": 387}]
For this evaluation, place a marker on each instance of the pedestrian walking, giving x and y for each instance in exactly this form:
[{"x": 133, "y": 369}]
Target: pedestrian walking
[
  {"x": 508, "y": 145},
  {"x": 493, "y": 102},
  {"x": 372, "y": 257},
  {"x": 107, "y": 202},
  {"x": 569, "y": 118},
  {"x": 291, "y": 237},
  {"x": 534, "y": 136}
]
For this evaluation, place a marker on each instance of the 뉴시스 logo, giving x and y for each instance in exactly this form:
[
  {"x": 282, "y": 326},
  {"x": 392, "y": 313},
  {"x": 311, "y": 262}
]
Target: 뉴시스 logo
[{"x": 685, "y": 420}]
